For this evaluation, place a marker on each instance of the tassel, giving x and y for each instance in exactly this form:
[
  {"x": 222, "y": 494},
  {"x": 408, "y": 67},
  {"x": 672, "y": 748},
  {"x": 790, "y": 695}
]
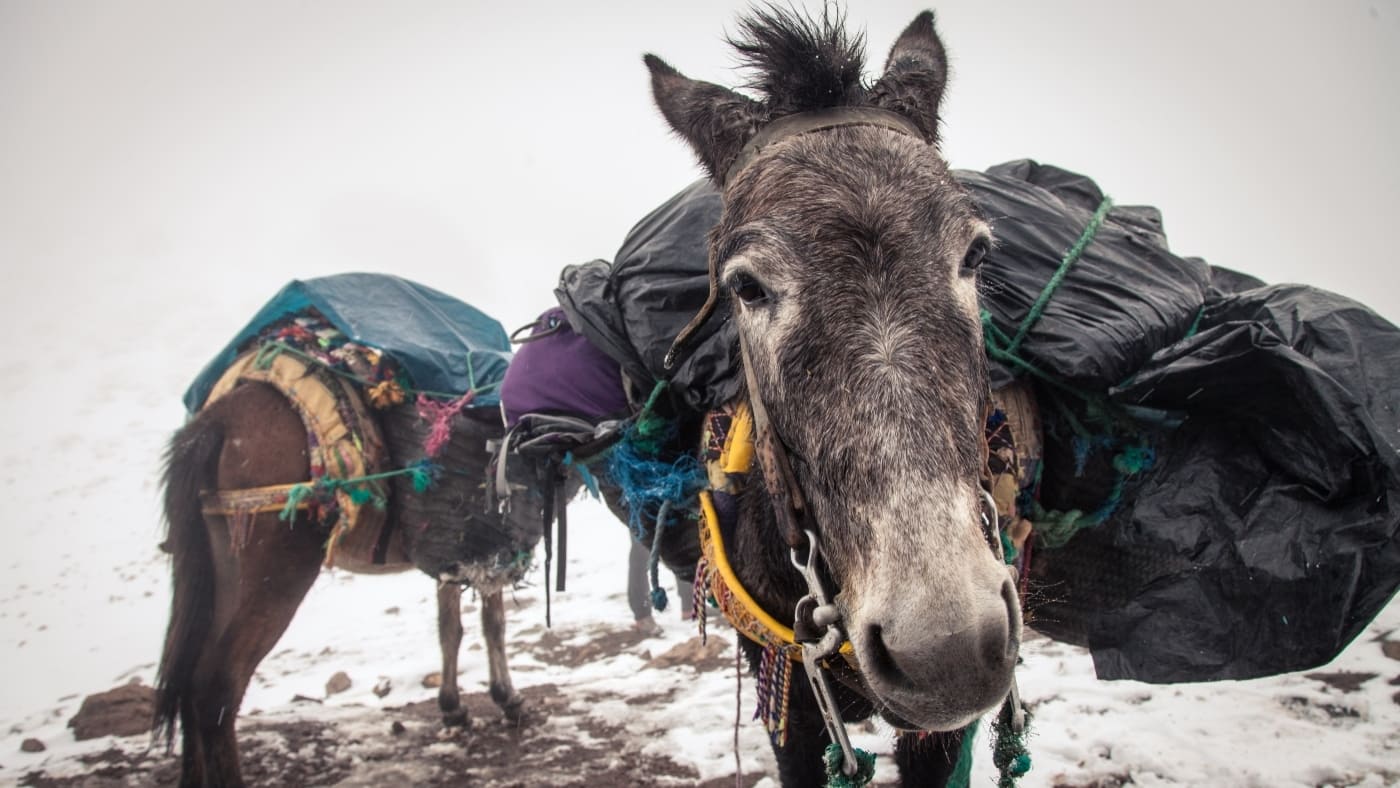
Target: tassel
[
  {"x": 386, "y": 394},
  {"x": 425, "y": 475},
  {"x": 440, "y": 414},
  {"x": 836, "y": 778},
  {"x": 295, "y": 498}
]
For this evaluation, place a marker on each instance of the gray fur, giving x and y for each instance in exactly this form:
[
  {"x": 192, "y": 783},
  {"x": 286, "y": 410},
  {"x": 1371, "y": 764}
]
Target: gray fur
[{"x": 868, "y": 355}]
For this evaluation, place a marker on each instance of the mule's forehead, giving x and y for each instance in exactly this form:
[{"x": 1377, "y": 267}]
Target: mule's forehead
[{"x": 843, "y": 191}]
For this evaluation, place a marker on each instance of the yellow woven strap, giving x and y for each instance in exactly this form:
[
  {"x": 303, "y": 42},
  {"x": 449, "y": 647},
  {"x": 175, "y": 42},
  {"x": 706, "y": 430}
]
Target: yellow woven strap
[
  {"x": 747, "y": 618},
  {"x": 254, "y": 500},
  {"x": 737, "y": 456}
]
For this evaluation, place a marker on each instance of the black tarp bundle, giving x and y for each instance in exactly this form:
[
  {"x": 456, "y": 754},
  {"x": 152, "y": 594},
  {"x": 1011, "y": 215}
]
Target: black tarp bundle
[
  {"x": 634, "y": 307},
  {"x": 1261, "y": 536}
]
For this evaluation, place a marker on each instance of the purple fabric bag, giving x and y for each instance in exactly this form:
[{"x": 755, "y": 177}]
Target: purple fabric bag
[{"x": 557, "y": 371}]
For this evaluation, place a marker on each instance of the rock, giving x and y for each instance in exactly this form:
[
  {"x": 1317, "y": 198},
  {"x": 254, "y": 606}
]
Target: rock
[
  {"x": 124, "y": 711},
  {"x": 692, "y": 652},
  {"x": 1344, "y": 680},
  {"x": 382, "y": 688},
  {"x": 397, "y": 728},
  {"x": 432, "y": 680},
  {"x": 392, "y": 611},
  {"x": 1391, "y": 648},
  {"x": 32, "y": 745},
  {"x": 338, "y": 683}
]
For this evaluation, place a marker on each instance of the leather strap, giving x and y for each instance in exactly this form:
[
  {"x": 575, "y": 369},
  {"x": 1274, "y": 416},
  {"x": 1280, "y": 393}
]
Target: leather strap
[{"x": 817, "y": 120}]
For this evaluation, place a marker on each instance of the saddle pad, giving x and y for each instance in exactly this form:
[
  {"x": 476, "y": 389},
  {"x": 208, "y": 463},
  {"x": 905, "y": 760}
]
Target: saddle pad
[{"x": 343, "y": 441}]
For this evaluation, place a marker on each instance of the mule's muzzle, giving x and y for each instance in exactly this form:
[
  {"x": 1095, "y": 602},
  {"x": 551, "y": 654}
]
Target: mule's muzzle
[{"x": 939, "y": 680}]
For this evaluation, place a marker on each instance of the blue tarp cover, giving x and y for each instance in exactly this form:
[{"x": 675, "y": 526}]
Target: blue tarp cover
[{"x": 444, "y": 345}]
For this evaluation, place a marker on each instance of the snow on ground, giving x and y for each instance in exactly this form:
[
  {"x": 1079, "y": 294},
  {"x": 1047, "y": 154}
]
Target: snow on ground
[
  {"x": 83, "y": 599},
  {"x": 1285, "y": 731}
]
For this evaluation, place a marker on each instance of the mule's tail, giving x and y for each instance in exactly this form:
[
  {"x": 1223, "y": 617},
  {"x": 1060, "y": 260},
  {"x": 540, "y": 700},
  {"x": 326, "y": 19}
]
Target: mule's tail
[{"x": 191, "y": 465}]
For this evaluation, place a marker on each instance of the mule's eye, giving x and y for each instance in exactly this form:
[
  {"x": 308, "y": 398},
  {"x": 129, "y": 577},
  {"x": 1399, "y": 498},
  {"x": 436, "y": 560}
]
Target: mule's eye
[
  {"x": 976, "y": 253},
  {"x": 747, "y": 289}
]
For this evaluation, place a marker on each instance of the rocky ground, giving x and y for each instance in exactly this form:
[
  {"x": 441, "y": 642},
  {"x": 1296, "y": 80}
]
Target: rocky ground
[{"x": 558, "y": 743}]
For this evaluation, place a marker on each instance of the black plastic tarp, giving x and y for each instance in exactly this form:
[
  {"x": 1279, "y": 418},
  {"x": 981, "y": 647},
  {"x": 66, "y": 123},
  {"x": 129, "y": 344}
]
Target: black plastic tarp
[
  {"x": 1267, "y": 534},
  {"x": 633, "y": 308},
  {"x": 1262, "y": 538},
  {"x": 1123, "y": 298}
]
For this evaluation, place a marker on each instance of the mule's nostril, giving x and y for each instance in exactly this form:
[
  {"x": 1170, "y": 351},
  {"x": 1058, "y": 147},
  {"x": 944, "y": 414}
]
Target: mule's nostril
[
  {"x": 1013, "y": 617},
  {"x": 882, "y": 661},
  {"x": 1013, "y": 604}
]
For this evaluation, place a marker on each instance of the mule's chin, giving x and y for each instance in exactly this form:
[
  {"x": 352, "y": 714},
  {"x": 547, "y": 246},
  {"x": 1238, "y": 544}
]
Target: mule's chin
[{"x": 939, "y": 715}]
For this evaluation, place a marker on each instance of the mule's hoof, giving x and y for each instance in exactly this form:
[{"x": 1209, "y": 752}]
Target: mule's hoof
[
  {"x": 516, "y": 710},
  {"x": 456, "y": 719},
  {"x": 450, "y": 734},
  {"x": 647, "y": 627}
]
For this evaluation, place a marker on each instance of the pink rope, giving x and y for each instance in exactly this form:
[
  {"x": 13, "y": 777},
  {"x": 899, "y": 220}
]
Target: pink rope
[{"x": 441, "y": 415}]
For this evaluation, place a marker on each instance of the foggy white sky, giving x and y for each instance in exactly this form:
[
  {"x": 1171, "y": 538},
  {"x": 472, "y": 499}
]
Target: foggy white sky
[{"x": 480, "y": 147}]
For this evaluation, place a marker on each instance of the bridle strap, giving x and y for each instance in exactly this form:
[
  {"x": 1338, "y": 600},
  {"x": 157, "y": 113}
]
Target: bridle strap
[
  {"x": 801, "y": 123},
  {"x": 762, "y": 143},
  {"x": 789, "y": 507}
]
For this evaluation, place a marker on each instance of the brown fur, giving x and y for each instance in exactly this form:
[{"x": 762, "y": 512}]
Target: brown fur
[{"x": 228, "y": 609}]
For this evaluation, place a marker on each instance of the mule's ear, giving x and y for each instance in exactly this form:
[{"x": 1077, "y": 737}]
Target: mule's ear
[
  {"x": 715, "y": 121},
  {"x": 915, "y": 75}
]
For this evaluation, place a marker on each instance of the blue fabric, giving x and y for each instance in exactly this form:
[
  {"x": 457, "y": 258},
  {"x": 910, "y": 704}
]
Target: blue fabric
[{"x": 444, "y": 345}]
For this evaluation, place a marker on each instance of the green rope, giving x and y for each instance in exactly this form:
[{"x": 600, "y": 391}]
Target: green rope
[
  {"x": 650, "y": 431},
  {"x": 1009, "y": 753},
  {"x": 1072, "y": 256},
  {"x": 1055, "y": 528},
  {"x": 962, "y": 771},
  {"x": 1112, "y": 426},
  {"x": 361, "y": 489},
  {"x": 836, "y": 778},
  {"x": 1195, "y": 324}
]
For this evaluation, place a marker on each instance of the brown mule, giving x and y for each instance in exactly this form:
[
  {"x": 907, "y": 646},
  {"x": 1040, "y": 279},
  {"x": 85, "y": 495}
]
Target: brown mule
[{"x": 235, "y": 594}]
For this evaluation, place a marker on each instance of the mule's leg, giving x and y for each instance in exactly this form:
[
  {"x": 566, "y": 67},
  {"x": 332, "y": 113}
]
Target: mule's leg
[
  {"x": 269, "y": 578},
  {"x": 493, "y": 629},
  {"x": 229, "y": 606},
  {"x": 927, "y": 758},
  {"x": 800, "y": 757},
  {"x": 449, "y": 597}
]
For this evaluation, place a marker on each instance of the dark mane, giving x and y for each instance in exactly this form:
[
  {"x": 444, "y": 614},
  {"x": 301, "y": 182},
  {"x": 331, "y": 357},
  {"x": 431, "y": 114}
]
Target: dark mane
[{"x": 801, "y": 62}]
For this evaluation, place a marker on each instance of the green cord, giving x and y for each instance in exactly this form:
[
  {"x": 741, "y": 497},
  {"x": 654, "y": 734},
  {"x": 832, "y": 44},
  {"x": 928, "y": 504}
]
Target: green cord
[
  {"x": 422, "y": 474},
  {"x": 962, "y": 772},
  {"x": 833, "y": 758},
  {"x": 1072, "y": 256}
]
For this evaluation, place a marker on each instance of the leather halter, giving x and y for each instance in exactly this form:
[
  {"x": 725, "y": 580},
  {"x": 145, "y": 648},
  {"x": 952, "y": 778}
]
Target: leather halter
[
  {"x": 816, "y": 120},
  {"x": 763, "y": 143}
]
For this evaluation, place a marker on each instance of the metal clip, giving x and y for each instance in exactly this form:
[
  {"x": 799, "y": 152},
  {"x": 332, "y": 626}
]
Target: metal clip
[
  {"x": 1017, "y": 716},
  {"x": 817, "y": 628},
  {"x": 826, "y": 700}
]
